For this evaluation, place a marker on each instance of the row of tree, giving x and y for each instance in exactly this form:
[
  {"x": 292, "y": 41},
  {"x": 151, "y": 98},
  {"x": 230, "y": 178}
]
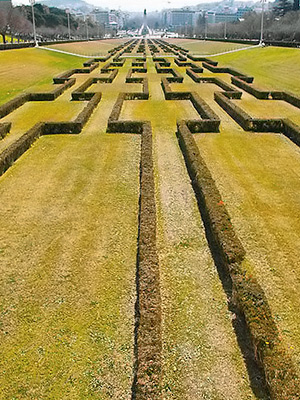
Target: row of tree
[
  {"x": 51, "y": 23},
  {"x": 276, "y": 27}
]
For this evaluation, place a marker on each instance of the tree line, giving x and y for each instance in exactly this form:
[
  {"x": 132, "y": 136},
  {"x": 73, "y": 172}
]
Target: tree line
[
  {"x": 280, "y": 24},
  {"x": 51, "y": 24}
]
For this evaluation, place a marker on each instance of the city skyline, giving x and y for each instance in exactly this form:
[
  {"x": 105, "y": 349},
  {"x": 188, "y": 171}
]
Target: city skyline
[{"x": 134, "y": 6}]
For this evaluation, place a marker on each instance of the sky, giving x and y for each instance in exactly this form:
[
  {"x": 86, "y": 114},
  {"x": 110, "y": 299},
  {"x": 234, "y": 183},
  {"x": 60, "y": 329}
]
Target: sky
[
  {"x": 140, "y": 5},
  {"x": 137, "y": 5}
]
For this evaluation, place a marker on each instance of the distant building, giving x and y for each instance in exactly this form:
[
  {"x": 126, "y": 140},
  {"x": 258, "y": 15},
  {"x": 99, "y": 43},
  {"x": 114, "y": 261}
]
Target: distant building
[
  {"x": 224, "y": 17},
  {"x": 211, "y": 17},
  {"x": 180, "y": 18},
  {"x": 102, "y": 17},
  {"x": 241, "y": 11}
]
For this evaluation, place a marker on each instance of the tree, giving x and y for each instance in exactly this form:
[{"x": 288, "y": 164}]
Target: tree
[
  {"x": 282, "y": 7},
  {"x": 5, "y": 15}
]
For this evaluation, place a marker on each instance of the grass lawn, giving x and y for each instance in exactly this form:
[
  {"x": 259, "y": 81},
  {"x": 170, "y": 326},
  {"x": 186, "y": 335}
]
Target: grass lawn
[
  {"x": 68, "y": 252},
  {"x": 203, "y": 47},
  {"x": 272, "y": 67},
  {"x": 92, "y": 48},
  {"x": 29, "y": 69}
]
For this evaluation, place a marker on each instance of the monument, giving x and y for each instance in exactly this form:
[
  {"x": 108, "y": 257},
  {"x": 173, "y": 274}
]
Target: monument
[{"x": 145, "y": 30}]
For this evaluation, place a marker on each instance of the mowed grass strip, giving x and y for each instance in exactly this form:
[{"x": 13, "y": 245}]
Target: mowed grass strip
[
  {"x": 274, "y": 68},
  {"x": 203, "y": 47},
  {"x": 31, "y": 113},
  {"x": 95, "y": 47},
  {"x": 28, "y": 69},
  {"x": 69, "y": 219}
]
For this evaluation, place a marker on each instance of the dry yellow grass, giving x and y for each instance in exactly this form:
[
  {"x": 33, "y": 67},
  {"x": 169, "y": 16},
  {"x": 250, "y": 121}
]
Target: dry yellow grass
[{"x": 69, "y": 221}]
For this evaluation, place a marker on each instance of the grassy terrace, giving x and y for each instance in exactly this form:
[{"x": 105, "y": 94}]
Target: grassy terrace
[
  {"x": 40, "y": 66},
  {"x": 272, "y": 67},
  {"x": 205, "y": 47},
  {"x": 93, "y": 48},
  {"x": 69, "y": 227}
]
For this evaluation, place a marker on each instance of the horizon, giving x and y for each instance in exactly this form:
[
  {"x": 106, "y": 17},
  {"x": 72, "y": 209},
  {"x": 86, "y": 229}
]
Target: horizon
[{"x": 133, "y": 6}]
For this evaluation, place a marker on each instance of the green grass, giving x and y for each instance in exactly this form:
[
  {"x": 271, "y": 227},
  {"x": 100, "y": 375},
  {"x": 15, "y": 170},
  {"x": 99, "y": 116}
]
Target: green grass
[
  {"x": 29, "y": 69},
  {"x": 202, "y": 47},
  {"x": 68, "y": 268},
  {"x": 272, "y": 67},
  {"x": 93, "y": 48}
]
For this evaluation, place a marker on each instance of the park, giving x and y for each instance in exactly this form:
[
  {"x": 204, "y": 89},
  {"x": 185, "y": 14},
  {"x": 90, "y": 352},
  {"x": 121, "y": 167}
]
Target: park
[{"x": 150, "y": 220}]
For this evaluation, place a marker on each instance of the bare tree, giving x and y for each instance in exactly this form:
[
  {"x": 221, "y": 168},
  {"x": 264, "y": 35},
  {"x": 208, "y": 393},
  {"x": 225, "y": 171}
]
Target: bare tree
[{"x": 4, "y": 22}]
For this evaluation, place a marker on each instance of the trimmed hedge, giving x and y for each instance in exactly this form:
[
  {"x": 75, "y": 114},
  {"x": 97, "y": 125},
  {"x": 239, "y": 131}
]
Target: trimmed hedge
[
  {"x": 231, "y": 92},
  {"x": 64, "y": 76},
  {"x": 50, "y": 96},
  {"x": 291, "y": 131},
  {"x": 226, "y": 70},
  {"x": 203, "y": 59},
  {"x": 203, "y": 109},
  {"x": 209, "y": 198},
  {"x": 13, "y": 104},
  {"x": 76, "y": 126},
  {"x": 61, "y": 128},
  {"x": 169, "y": 94},
  {"x": 17, "y": 148},
  {"x": 239, "y": 115},
  {"x": 114, "y": 124},
  {"x": 148, "y": 382},
  {"x": 107, "y": 68},
  {"x": 259, "y": 94},
  {"x": 248, "y": 295},
  {"x": 292, "y": 99},
  {"x": 209, "y": 121},
  {"x": 284, "y": 126},
  {"x": 4, "y": 129},
  {"x": 59, "y": 79},
  {"x": 85, "y": 114},
  {"x": 80, "y": 94},
  {"x": 177, "y": 77}
]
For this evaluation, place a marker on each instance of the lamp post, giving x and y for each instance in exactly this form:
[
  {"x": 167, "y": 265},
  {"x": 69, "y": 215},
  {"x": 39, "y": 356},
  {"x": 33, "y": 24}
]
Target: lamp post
[
  {"x": 206, "y": 20},
  {"x": 225, "y": 27},
  {"x": 87, "y": 27},
  {"x": 262, "y": 23},
  {"x": 69, "y": 29},
  {"x": 32, "y": 2}
]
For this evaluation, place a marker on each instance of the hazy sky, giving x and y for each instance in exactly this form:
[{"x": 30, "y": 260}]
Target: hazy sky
[
  {"x": 136, "y": 5},
  {"x": 139, "y": 5}
]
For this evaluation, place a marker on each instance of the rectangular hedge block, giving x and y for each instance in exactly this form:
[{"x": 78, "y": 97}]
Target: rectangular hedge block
[
  {"x": 13, "y": 104},
  {"x": 292, "y": 131},
  {"x": 240, "y": 116},
  {"x": 209, "y": 198},
  {"x": 4, "y": 129},
  {"x": 259, "y": 94},
  {"x": 17, "y": 148}
]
